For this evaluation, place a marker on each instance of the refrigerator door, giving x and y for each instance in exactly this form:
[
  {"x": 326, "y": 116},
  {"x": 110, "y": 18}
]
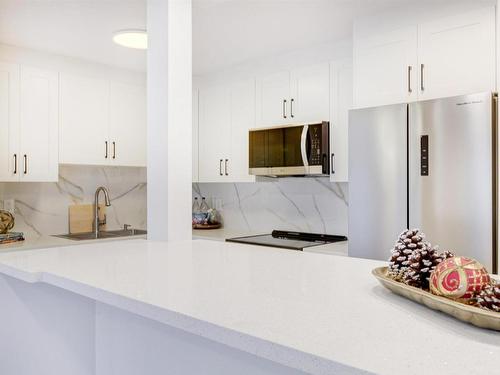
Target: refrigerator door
[
  {"x": 452, "y": 174},
  {"x": 377, "y": 179}
]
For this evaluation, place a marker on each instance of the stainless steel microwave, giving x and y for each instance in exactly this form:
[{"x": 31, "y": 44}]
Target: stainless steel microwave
[{"x": 293, "y": 150}]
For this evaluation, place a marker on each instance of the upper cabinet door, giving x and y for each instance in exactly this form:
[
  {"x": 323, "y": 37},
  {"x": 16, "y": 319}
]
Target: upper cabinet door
[
  {"x": 39, "y": 106},
  {"x": 310, "y": 94},
  {"x": 273, "y": 99},
  {"x": 214, "y": 132},
  {"x": 84, "y": 120},
  {"x": 341, "y": 89},
  {"x": 195, "y": 136},
  {"x": 457, "y": 55},
  {"x": 242, "y": 120},
  {"x": 9, "y": 122},
  {"x": 127, "y": 128},
  {"x": 385, "y": 68}
]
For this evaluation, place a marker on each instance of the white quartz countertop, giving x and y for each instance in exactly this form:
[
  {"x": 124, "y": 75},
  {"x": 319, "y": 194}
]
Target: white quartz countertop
[{"x": 317, "y": 313}]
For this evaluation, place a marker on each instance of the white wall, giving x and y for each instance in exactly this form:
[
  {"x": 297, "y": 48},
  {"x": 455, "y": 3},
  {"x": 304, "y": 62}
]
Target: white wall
[
  {"x": 418, "y": 12},
  {"x": 284, "y": 61},
  {"x": 70, "y": 65}
]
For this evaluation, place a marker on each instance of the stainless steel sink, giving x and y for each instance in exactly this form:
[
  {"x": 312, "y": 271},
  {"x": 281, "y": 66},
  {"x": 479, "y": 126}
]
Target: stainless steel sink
[{"x": 103, "y": 234}]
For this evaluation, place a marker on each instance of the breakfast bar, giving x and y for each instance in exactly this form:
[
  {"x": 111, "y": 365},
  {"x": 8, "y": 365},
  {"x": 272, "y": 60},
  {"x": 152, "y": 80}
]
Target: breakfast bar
[{"x": 138, "y": 306}]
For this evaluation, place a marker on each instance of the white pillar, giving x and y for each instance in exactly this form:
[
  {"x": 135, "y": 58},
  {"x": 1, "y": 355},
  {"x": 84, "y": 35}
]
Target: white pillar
[{"x": 169, "y": 72}]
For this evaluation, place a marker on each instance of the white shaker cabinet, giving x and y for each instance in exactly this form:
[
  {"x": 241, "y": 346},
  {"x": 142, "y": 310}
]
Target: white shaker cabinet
[
  {"x": 84, "y": 120},
  {"x": 195, "y": 177},
  {"x": 273, "y": 99},
  {"x": 242, "y": 119},
  {"x": 385, "y": 68},
  {"x": 457, "y": 55},
  {"x": 127, "y": 125},
  {"x": 341, "y": 102},
  {"x": 102, "y": 122},
  {"x": 310, "y": 94},
  {"x": 444, "y": 57},
  {"x": 214, "y": 132},
  {"x": 28, "y": 124},
  {"x": 39, "y": 125},
  {"x": 293, "y": 97},
  {"x": 226, "y": 113},
  {"x": 9, "y": 122}
]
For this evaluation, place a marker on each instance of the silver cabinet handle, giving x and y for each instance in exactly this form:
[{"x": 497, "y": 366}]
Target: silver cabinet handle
[
  {"x": 106, "y": 153},
  {"x": 114, "y": 150},
  {"x": 220, "y": 167},
  {"x": 409, "y": 79},
  {"x": 422, "y": 88},
  {"x": 25, "y": 164},
  {"x": 291, "y": 107},
  {"x": 284, "y": 108},
  {"x": 333, "y": 163},
  {"x": 225, "y": 167},
  {"x": 15, "y": 163}
]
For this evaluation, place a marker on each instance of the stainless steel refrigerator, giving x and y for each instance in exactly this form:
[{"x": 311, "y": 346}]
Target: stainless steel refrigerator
[{"x": 429, "y": 165}]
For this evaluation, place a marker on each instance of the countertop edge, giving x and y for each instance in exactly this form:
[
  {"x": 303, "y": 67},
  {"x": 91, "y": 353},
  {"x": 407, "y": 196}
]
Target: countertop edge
[{"x": 269, "y": 350}]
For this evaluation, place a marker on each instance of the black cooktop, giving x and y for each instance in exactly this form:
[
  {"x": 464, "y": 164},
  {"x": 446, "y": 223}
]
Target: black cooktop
[{"x": 289, "y": 240}]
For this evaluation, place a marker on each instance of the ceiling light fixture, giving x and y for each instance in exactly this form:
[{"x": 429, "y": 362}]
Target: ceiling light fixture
[{"x": 131, "y": 38}]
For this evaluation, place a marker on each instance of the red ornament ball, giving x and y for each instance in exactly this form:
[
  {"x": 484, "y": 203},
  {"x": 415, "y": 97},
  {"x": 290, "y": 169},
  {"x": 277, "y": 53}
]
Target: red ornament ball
[{"x": 459, "y": 278}]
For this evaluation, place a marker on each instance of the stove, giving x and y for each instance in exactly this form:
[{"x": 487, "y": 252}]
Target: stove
[{"x": 289, "y": 240}]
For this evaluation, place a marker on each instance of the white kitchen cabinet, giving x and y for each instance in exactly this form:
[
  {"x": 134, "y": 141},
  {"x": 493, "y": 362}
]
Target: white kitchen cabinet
[
  {"x": 385, "y": 68},
  {"x": 38, "y": 125},
  {"x": 9, "y": 121},
  {"x": 457, "y": 55},
  {"x": 242, "y": 119},
  {"x": 310, "y": 94},
  {"x": 195, "y": 136},
  {"x": 293, "y": 97},
  {"x": 102, "y": 122},
  {"x": 273, "y": 99},
  {"x": 341, "y": 101},
  {"x": 84, "y": 120},
  {"x": 214, "y": 132},
  {"x": 28, "y": 124},
  {"x": 127, "y": 125},
  {"x": 226, "y": 113},
  {"x": 444, "y": 57}
]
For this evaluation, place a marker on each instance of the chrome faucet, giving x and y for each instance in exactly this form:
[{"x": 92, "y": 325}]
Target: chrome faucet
[{"x": 97, "y": 222}]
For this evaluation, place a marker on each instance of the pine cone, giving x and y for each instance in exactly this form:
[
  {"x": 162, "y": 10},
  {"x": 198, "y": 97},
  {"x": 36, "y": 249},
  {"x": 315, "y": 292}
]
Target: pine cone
[
  {"x": 422, "y": 263},
  {"x": 407, "y": 243},
  {"x": 488, "y": 298}
]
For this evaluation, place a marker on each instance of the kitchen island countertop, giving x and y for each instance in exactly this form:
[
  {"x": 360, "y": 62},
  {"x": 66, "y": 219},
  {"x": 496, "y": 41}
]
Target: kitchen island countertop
[{"x": 316, "y": 313}]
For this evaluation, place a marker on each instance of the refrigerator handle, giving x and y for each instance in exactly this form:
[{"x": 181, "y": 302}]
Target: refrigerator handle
[
  {"x": 422, "y": 88},
  {"x": 409, "y": 79}
]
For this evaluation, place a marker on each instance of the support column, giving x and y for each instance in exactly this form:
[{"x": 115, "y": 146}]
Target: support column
[{"x": 169, "y": 80}]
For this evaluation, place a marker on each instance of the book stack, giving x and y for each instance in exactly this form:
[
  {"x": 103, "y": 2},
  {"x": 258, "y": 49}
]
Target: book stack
[{"x": 11, "y": 237}]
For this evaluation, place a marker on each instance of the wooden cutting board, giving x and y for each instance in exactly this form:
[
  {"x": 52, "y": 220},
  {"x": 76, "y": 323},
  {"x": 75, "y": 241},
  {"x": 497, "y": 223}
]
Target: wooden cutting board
[{"x": 81, "y": 217}]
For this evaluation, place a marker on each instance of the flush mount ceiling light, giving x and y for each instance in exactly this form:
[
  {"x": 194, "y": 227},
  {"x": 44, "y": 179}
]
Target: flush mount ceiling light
[{"x": 131, "y": 38}]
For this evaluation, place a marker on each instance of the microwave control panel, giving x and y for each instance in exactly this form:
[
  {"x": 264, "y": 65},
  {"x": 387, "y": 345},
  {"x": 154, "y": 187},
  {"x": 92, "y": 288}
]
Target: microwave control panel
[{"x": 315, "y": 139}]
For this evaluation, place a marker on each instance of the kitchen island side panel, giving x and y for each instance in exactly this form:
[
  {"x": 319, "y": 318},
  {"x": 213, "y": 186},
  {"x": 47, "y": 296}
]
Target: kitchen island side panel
[{"x": 45, "y": 330}]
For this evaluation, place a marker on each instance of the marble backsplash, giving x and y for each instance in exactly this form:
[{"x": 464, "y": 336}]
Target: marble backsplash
[
  {"x": 42, "y": 207},
  {"x": 299, "y": 204}
]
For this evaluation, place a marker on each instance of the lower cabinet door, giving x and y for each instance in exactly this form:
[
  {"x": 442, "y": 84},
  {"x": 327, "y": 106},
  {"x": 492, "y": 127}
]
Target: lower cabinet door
[
  {"x": 214, "y": 133},
  {"x": 38, "y": 158}
]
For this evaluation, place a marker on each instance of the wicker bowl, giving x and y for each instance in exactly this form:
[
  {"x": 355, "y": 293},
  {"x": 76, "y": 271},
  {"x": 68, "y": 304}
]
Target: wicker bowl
[{"x": 6, "y": 221}]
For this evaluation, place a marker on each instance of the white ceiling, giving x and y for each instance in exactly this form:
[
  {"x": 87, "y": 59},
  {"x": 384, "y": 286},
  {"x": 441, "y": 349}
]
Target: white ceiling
[{"x": 225, "y": 32}]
